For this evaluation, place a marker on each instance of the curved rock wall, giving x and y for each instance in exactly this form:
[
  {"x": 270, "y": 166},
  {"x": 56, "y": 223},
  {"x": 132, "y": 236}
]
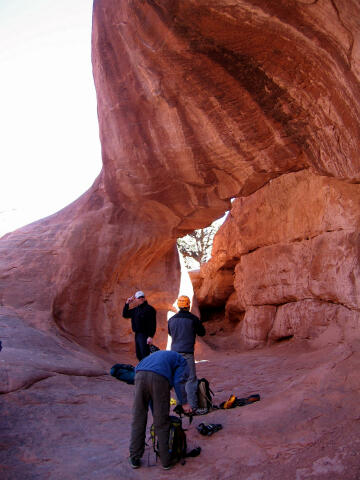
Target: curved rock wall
[{"x": 198, "y": 101}]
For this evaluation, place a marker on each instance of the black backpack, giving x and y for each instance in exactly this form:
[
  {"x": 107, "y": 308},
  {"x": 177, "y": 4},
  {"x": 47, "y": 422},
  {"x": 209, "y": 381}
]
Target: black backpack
[
  {"x": 204, "y": 394},
  {"x": 177, "y": 440},
  {"x": 123, "y": 372}
]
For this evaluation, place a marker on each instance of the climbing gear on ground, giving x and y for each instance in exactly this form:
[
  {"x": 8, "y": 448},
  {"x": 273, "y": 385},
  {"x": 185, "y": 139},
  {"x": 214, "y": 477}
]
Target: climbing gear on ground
[
  {"x": 230, "y": 403},
  {"x": 240, "y": 402},
  {"x": 200, "y": 411},
  {"x": 204, "y": 394},
  {"x": 183, "y": 301},
  {"x": 172, "y": 401},
  {"x": 177, "y": 440},
  {"x": 153, "y": 348},
  {"x": 177, "y": 443},
  {"x": 208, "y": 429},
  {"x": 180, "y": 411},
  {"x": 123, "y": 372}
]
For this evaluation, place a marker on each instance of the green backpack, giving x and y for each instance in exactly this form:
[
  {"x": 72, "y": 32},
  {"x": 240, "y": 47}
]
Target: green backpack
[{"x": 177, "y": 440}]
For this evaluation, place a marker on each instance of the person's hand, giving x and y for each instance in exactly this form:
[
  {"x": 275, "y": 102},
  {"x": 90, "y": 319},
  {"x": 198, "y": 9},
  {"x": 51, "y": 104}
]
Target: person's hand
[
  {"x": 149, "y": 341},
  {"x": 187, "y": 409},
  {"x": 130, "y": 299}
]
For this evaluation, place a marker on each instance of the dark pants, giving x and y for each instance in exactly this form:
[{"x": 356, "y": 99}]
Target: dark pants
[
  {"x": 142, "y": 348},
  {"x": 151, "y": 386}
]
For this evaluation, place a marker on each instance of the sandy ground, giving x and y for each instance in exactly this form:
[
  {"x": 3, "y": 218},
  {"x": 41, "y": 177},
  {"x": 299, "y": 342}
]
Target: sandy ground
[{"x": 305, "y": 426}]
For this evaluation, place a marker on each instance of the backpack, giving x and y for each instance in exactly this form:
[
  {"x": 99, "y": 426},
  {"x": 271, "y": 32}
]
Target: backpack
[
  {"x": 177, "y": 440},
  {"x": 204, "y": 394},
  {"x": 123, "y": 372}
]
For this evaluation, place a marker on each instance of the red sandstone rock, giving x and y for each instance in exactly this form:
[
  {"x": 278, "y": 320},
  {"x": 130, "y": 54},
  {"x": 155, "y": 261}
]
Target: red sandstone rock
[
  {"x": 324, "y": 323},
  {"x": 325, "y": 268},
  {"x": 199, "y": 102},
  {"x": 256, "y": 325},
  {"x": 221, "y": 286},
  {"x": 293, "y": 207},
  {"x": 275, "y": 238},
  {"x": 29, "y": 356}
]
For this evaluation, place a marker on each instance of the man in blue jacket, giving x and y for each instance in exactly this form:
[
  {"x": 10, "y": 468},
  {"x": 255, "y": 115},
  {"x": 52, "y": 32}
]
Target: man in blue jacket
[
  {"x": 183, "y": 328},
  {"x": 143, "y": 322},
  {"x": 155, "y": 375}
]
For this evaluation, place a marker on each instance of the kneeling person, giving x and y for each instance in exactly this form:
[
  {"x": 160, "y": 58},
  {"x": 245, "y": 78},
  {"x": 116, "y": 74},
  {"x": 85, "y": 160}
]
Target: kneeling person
[{"x": 155, "y": 376}]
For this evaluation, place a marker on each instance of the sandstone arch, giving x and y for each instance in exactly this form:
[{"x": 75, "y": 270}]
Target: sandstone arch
[{"x": 200, "y": 101}]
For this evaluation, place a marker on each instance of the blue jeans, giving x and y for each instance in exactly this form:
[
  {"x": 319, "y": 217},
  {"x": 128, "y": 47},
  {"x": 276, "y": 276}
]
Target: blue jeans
[{"x": 192, "y": 383}]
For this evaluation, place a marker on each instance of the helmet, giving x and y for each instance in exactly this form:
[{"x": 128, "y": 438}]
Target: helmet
[{"x": 183, "y": 301}]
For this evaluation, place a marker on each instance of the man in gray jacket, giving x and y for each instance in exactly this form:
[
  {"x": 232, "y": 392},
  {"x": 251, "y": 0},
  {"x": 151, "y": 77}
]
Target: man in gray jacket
[{"x": 183, "y": 328}]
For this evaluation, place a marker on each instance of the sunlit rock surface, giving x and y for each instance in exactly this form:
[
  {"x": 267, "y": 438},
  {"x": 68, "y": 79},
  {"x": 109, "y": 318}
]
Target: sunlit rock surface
[
  {"x": 294, "y": 240},
  {"x": 199, "y": 102}
]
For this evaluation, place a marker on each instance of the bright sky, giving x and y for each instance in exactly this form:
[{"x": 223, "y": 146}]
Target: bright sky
[{"x": 49, "y": 149}]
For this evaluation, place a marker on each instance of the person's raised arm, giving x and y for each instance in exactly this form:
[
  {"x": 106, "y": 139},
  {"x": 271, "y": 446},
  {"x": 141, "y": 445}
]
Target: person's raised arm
[{"x": 126, "y": 313}]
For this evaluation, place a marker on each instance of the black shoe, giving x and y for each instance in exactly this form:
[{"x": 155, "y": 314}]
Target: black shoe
[
  {"x": 134, "y": 462},
  {"x": 213, "y": 427},
  {"x": 194, "y": 452},
  {"x": 201, "y": 428},
  {"x": 170, "y": 465},
  {"x": 209, "y": 429}
]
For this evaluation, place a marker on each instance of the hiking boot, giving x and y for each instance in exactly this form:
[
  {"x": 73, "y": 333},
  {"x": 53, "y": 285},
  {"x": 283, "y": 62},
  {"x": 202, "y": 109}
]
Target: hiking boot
[
  {"x": 200, "y": 411},
  {"x": 134, "y": 462}
]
